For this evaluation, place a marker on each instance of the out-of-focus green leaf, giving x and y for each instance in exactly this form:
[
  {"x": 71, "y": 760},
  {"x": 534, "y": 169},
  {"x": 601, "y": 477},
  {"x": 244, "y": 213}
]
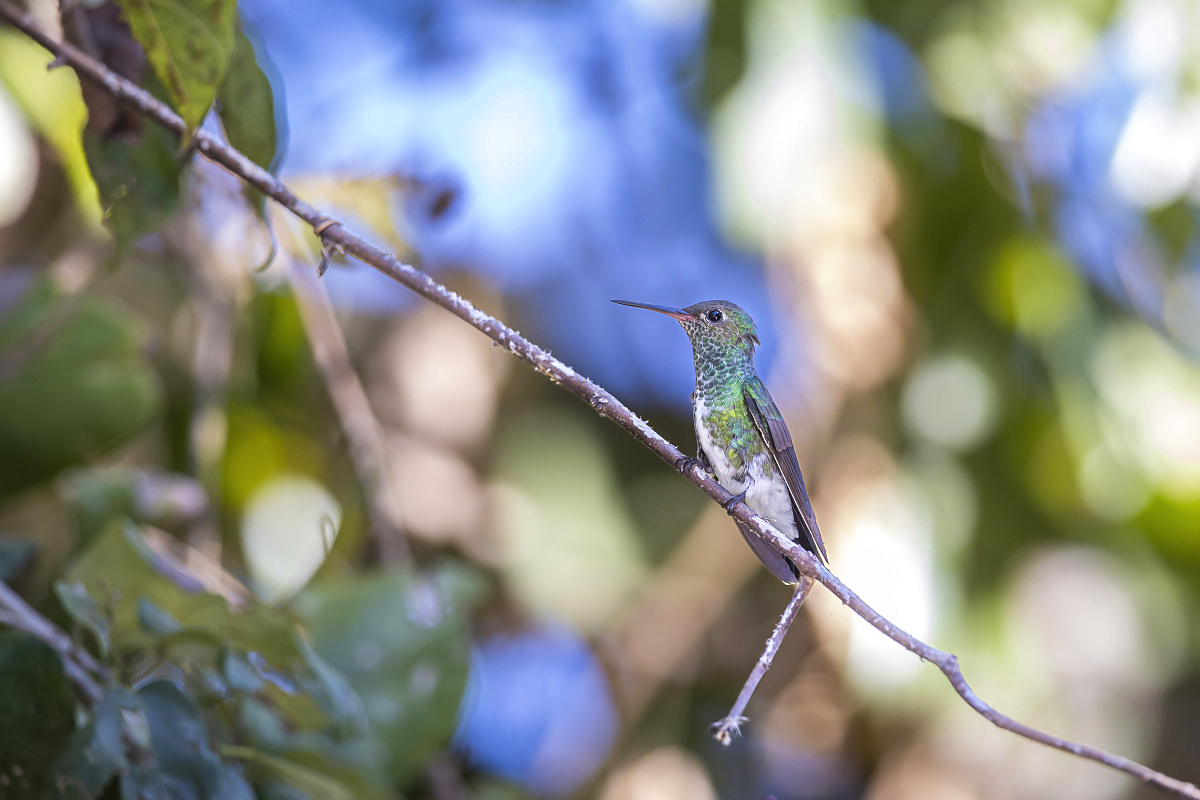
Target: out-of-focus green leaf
[
  {"x": 96, "y": 496},
  {"x": 234, "y": 785},
  {"x": 189, "y": 44},
  {"x": 276, "y": 790},
  {"x": 155, "y": 741},
  {"x": 138, "y": 181},
  {"x": 312, "y": 783},
  {"x": 358, "y": 763},
  {"x": 37, "y": 714},
  {"x": 92, "y": 351},
  {"x": 154, "y": 620},
  {"x": 725, "y": 59},
  {"x": 190, "y": 646},
  {"x": 15, "y": 555},
  {"x": 52, "y": 102},
  {"x": 184, "y": 764},
  {"x": 97, "y": 752},
  {"x": 248, "y": 104},
  {"x": 239, "y": 673},
  {"x": 83, "y": 609},
  {"x": 401, "y": 641},
  {"x": 259, "y": 448},
  {"x": 335, "y": 696},
  {"x": 120, "y": 568}
]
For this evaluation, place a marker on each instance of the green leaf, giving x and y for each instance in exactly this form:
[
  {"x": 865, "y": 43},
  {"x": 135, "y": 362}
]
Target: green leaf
[
  {"x": 333, "y": 694},
  {"x": 95, "y": 497},
  {"x": 98, "y": 495},
  {"x": 83, "y": 609},
  {"x": 356, "y": 764},
  {"x": 191, "y": 646},
  {"x": 313, "y": 783},
  {"x": 234, "y": 785},
  {"x": 138, "y": 181},
  {"x": 52, "y": 102},
  {"x": 155, "y": 741},
  {"x": 189, "y": 44},
  {"x": 248, "y": 104},
  {"x": 725, "y": 56},
  {"x": 401, "y": 641},
  {"x": 97, "y": 753},
  {"x": 37, "y": 714},
  {"x": 121, "y": 569},
  {"x": 184, "y": 764},
  {"x": 154, "y": 620},
  {"x": 239, "y": 673},
  {"x": 59, "y": 351}
]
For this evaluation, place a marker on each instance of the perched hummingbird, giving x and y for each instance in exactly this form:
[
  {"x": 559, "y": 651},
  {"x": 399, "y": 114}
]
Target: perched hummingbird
[{"x": 740, "y": 435}]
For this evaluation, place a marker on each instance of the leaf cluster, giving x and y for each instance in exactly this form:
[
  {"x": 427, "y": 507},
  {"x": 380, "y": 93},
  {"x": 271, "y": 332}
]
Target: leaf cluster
[{"x": 344, "y": 693}]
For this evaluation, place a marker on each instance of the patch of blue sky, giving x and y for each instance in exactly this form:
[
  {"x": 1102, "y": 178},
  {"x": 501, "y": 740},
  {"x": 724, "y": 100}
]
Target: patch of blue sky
[{"x": 575, "y": 168}]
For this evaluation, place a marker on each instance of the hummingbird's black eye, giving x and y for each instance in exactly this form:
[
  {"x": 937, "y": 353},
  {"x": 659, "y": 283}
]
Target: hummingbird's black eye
[{"x": 715, "y": 315}]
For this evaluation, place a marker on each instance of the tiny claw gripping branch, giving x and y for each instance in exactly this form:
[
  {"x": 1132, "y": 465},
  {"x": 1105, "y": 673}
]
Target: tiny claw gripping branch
[{"x": 737, "y": 498}]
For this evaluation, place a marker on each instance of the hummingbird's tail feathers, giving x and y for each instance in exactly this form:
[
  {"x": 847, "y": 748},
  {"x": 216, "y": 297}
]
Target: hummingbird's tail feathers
[
  {"x": 810, "y": 535},
  {"x": 776, "y": 562}
]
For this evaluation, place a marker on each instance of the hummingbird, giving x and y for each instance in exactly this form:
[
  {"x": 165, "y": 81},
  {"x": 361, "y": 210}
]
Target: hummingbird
[{"x": 741, "y": 437}]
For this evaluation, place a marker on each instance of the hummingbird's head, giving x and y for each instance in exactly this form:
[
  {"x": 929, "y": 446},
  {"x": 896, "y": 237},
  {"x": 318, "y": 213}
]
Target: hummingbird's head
[{"x": 715, "y": 327}]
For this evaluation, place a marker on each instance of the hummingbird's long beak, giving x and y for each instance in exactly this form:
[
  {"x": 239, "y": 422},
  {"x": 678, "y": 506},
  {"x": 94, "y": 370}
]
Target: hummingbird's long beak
[{"x": 677, "y": 313}]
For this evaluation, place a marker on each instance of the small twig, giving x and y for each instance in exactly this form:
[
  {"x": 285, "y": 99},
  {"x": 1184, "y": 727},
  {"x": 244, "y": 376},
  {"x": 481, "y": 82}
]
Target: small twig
[
  {"x": 81, "y": 667},
  {"x": 363, "y": 431},
  {"x": 601, "y": 400},
  {"x": 726, "y": 729},
  {"x": 328, "y": 247}
]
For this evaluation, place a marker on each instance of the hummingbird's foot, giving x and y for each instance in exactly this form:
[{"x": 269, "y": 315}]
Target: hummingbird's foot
[
  {"x": 687, "y": 462},
  {"x": 728, "y": 729},
  {"x": 733, "y": 501}
]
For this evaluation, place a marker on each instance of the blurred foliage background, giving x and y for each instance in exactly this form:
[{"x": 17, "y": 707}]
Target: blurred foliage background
[{"x": 967, "y": 229}]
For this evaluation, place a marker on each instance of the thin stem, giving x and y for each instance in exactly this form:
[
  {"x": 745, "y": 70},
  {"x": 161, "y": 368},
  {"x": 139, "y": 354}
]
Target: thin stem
[
  {"x": 605, "y": 404},
  {"x": 77, "y": 662},
  {"x": 353, "y": 409},
  {"x": 726, "y": 729}
]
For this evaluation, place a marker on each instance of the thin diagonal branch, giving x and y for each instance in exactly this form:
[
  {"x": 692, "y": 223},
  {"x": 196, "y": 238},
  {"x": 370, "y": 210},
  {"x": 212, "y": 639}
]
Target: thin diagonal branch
[
  {"x": 605, "y": 404},
  {"x": 78, "y": 663},
  {"x": 359, "y": 424}
]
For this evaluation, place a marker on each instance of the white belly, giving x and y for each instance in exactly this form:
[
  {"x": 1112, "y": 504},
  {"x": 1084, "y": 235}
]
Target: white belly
[{"x": 767, "y": 496}]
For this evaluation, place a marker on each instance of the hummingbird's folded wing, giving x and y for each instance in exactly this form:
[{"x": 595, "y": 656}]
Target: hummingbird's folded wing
[{"x": 774, "y": 431}]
